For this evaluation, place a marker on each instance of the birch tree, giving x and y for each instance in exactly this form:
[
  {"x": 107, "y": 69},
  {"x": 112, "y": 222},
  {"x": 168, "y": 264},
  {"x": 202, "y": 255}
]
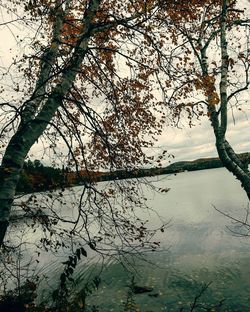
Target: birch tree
[
  {"x": 210, "y": 59},
  {"x": 85, "y": 74},
  {"x": 99, "y": 74}
]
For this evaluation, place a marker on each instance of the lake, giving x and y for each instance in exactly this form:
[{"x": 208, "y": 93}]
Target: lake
[{"x": 198, "y": 248}]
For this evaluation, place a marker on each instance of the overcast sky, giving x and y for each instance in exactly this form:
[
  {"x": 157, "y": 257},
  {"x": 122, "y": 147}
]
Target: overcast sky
[
  {"x": 197, "y": 142},
  {"x": 185, "y": 143}
]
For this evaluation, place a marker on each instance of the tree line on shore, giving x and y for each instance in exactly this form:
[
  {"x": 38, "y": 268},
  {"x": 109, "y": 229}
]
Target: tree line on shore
[{"x": 37, "y": 177}]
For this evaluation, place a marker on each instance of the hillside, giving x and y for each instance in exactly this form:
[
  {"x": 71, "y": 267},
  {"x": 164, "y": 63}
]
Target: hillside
[{"x": 37, "y": 177}]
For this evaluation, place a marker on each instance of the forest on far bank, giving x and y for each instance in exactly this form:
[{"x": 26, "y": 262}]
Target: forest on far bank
[{"x": 37, "y": 177}]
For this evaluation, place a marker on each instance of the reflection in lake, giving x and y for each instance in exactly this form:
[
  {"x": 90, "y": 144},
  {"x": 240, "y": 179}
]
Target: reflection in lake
[
  {"x": 197, "y": 249},
  {"x": 202, "y": 249}
]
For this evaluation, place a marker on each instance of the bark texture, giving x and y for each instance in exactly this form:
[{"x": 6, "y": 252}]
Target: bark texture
[
  {"x": 39, "y": 110},
  {"x": 219, "y": 117}
]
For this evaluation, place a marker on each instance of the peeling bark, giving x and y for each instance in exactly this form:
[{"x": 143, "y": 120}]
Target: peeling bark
[
  {"x": 226, "y": 153},
  {"x": 35, "y": 119},
  {"x": 218, "y": 117}
]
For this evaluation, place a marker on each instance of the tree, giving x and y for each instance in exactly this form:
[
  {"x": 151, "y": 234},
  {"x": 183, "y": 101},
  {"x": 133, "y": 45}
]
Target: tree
[
  {"x": 85, "y": 75},
  {"x": 210, "y": 70},
  {"x": 97, "y": 74}
]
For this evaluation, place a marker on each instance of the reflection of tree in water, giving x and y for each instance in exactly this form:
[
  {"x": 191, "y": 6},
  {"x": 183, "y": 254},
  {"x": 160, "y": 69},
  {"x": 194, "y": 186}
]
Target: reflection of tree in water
[{"x": 221, "y": 288}]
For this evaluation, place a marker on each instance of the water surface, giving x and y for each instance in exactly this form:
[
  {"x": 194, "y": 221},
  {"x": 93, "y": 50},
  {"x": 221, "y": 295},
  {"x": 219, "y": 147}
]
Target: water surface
[{"x": 198, "y": 249}]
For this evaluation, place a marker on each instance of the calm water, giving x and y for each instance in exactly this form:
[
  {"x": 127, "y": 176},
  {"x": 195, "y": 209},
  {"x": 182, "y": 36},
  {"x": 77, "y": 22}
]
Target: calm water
[{"x": 198, "y": 248}]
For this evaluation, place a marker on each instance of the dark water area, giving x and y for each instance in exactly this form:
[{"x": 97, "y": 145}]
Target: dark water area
[
  {"x": 201, "y": 260},
  {"x": 176, "y": 283},
  {"x": 201, "y": 250}
]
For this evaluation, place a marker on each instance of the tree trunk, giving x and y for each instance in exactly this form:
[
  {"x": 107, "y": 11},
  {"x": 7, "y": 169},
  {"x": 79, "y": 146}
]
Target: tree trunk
[
  {"x": 226, "y": 153},
  {"x": 35, "y": 119},
  {"x": 218, "y": 117},
  {"x": 233, "y": 164},
  {"x": 3, "y": 228},
  {"x": 13, "y": 160}
]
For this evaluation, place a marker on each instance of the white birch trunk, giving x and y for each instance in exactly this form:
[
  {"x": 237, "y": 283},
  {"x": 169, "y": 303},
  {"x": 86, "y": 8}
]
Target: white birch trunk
[{"x": 36, "y": 118}]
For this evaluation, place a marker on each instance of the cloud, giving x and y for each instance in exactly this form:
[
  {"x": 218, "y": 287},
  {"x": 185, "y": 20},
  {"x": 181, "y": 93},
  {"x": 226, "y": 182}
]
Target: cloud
[{"x": 199, "y": 141}]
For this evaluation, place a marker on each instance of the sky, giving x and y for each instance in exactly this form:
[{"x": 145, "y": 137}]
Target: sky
[
  {"x": 184, "y": 143},
  {"x": 199, "y": 141}
]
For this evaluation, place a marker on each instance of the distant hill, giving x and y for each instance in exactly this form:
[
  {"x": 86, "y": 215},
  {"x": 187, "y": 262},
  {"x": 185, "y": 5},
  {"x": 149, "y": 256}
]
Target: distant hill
[
  {"x": 201, "y": 164},
  {"x": 37, "y": 177},
  {"x": 181, "y": 166}
]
